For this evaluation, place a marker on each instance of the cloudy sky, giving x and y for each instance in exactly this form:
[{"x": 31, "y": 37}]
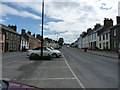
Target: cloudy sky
[{"x": 67, "y": 18}]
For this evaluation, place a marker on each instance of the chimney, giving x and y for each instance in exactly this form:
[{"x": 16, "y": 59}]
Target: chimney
[
  {"x": 118, "y": 19},
  {"x": 23, "y": 31},
  {"x": 29, "y": 32},
  {"x": 108, "y": 22},
  {"x": 38, "y": 37},
  {"x": 97, "y": 25},
  {"x": 34, "y": 34},
  {"x": 89, "y": 30},
  {"x": 13, "y": 27}
]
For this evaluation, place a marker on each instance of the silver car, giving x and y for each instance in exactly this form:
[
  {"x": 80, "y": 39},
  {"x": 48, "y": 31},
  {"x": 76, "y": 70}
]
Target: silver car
[
  {"x": 56, "y": 53},
  {"x": 46, "y": 52}
]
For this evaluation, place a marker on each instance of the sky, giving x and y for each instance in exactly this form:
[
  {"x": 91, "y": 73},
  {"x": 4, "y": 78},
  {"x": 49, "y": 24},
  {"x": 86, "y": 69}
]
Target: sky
[{"x": 63, "y": 18}]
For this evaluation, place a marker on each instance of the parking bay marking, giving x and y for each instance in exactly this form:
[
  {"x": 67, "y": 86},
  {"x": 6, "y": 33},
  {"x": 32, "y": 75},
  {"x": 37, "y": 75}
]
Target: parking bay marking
[{"x": 73, "y": 73}]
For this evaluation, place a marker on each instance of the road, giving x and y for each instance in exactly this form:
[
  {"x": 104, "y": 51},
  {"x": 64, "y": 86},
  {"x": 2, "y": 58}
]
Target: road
[
  {"x": 75, "y": 69},
  {"x": 92, "y": 70}
]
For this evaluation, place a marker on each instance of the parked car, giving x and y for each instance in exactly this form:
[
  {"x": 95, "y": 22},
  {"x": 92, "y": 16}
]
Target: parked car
[
  {"x": 56, "y": 53},
  {"x": 46, "y": 51}
]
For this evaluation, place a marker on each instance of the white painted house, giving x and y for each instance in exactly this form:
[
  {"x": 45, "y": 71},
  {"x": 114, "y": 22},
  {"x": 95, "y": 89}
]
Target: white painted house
[
  {"x": 24, "y": 41},
  {"x": 104, "y": 35},
  {"x": 104, "y": 40},
  {"x": 80, "y": 42},
  {"x": 93, "y": 37}
]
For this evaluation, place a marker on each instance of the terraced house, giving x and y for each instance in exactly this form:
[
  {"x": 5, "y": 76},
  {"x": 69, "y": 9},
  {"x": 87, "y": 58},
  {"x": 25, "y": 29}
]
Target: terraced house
[
  {"x": 2, "y": 41},
  {"x": 12, "y": 38},
  {"x": 115, "y": 35}
]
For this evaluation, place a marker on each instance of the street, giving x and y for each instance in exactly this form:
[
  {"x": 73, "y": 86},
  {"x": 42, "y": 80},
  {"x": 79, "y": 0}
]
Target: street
[{"x": 75, "y": 69}]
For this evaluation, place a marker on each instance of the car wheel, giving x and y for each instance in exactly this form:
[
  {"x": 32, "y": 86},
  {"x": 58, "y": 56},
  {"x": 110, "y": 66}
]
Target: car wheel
[{"x": 54, "y": 55}]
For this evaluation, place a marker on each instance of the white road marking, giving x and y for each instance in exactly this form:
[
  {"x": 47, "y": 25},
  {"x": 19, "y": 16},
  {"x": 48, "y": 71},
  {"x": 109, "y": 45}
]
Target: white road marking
[
  {"x": 41, "y": 79},
  {"x": 9, "y": 63},
  {"x": 13, "y": 61},
  {"x": 73, "y": 73},
  {"x": 53, "y": 67},
  {"x": 50, "y": 79},
  {"x": 31, "y": 61}
]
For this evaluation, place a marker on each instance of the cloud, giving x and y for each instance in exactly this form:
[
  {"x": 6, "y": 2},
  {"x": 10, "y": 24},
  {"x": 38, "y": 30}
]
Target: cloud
[
  {"x": 75, "y": 15},
  {"x": 12, "y": 11},
  {"x": 79, "y": 16},
  {"x": 1, "y": 20}
]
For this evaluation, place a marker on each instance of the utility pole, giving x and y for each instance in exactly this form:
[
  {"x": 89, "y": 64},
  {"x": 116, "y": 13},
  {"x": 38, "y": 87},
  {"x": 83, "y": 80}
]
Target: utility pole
[{"x": 42, "y": 28}]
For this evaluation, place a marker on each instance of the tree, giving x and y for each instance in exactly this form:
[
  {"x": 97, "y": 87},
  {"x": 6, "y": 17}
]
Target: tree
[{"x": 61, "y": 41}]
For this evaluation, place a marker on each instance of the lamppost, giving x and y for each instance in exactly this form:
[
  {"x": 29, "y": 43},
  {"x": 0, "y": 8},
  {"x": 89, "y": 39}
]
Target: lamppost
[
  {"x": 57, "y": 35},
  {"x": 42, "y": 28}
]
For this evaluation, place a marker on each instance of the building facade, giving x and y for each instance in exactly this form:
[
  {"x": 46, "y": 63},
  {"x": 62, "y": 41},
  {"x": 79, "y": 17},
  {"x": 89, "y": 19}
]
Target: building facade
[
  {"x": 12, "y": 38},
  {"x": 115, "y": 35},
  {"x": 80, "y": 40},
  {"x": 104, "y": 35},
  {"x": 24, "y": 41},
  {"x": 29, "y": 41},
  {"x": 2, "y": 41}
]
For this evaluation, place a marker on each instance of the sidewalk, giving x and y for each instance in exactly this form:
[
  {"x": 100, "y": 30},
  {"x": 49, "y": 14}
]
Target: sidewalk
[{"x": 103, "y": 53}]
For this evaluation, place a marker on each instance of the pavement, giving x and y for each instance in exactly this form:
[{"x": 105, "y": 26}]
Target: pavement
[
  {"x": 40, "y": 73},
  {"x": 111, "y": 54}
]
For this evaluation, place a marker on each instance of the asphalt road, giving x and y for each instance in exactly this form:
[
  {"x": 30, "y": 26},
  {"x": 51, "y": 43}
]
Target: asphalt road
[
  {"x": 92, "y": 70},
  {"x": 75, "y": 69}
]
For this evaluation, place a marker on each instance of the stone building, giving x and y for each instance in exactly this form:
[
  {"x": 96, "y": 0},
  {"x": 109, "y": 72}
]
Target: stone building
[
  {"x": 12, "y": 38},
  {"x": 115, "y": 35},
  {"x": 2, "y": 41}
]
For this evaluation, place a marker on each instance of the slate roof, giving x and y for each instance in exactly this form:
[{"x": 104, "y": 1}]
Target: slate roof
[
  {"x": 8, "y": 29},
  {"x": 115, "y": 26},
  {"x": 31, "y": 36}
]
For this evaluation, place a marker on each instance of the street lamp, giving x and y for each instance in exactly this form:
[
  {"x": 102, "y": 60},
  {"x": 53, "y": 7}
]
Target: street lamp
[{"x": 57, "y": 35}]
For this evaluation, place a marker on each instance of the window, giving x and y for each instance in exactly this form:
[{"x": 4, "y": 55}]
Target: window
[
  {"x": 95, "y": 35},
  {"x": 106, "y": 36},
  {"x": 92, "y": 36},
  {"x": 15, "y": 46},
  {"x": 103, "y": 45},
  {"x": 114, "y": 44},
  {"x": 7, "y": 35},
  {"x": 100, "y": 45},
  {"x": 115, "y": 32},
  {"x": 106, "y": 45},
  {"x": 18, "y": 38},
  {"x": 11, "y": 36},
  {"x": 99, "y": 38}
]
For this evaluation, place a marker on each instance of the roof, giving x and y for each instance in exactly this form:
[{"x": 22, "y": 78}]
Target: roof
[
  {"x": 106, "y": 31},
  {"x": 31, "y": 36},
  {"x": 115, "y": 26},
  {"x": 102, "y": 27},
  {"x": 8, "y": 29}
]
